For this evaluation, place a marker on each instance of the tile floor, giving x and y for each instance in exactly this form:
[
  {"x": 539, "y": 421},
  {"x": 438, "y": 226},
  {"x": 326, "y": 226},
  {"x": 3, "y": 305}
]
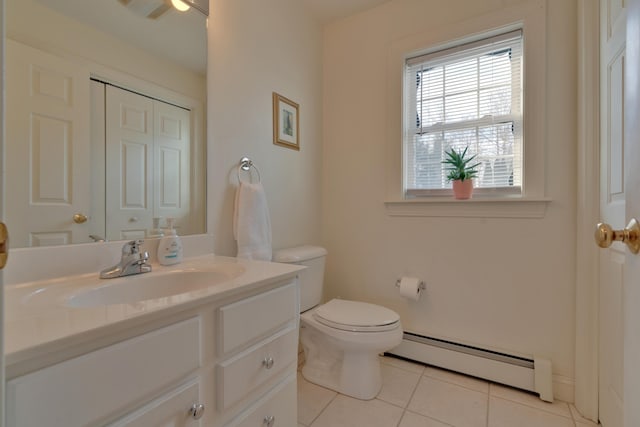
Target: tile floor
[{"x": 414, "y": 395}]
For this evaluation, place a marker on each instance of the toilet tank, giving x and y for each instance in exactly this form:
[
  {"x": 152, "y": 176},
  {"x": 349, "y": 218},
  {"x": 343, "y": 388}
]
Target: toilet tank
[{"x": 311, "y": 279}]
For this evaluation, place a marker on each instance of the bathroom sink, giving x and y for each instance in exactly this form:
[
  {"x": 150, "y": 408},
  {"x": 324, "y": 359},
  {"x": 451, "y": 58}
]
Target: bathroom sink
[{"x": 142, "y": 287}]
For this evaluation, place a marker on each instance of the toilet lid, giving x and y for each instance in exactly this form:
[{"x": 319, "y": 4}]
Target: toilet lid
[{"x": 356, "y": 316}]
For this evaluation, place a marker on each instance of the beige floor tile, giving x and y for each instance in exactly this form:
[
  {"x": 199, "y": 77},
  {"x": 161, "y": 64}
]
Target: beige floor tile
[
  {"x": 449, "y": 403},
  {"x": 587, "y": 424},
  {"x": 403, "y": 364},
  {"x": 506, "y": 413},
  {"x": 397, "y": 385},
  {"x": 312, "y": 399},
  {"x": 460, "y": 379},
  {"x": 345, "y": 411},
  {"x": 578, "y": 418},
  {"x": 409, "y": 419},
  {"x": 557, "y": 407}
]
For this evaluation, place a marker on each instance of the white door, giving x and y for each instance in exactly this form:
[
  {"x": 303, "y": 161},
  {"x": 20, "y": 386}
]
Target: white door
[
  {"x": 129, "y": 156},
  {"x": 2, "y": 210},
  {"x": 172, "y": 159},
  {"x": 612, "y": 206},
  {"x": 631, "y": 271},
  {"x": 47, "y": 148},
  {"x": 150, "y": 141},
  {"x": 620, "y": 201}
]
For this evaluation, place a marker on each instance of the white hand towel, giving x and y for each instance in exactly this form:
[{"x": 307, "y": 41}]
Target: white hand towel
[{"x": 251, "y": 222}]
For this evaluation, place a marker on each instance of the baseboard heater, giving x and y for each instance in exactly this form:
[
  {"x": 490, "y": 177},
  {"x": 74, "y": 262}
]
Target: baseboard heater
[{"x": 528, "y": 374}]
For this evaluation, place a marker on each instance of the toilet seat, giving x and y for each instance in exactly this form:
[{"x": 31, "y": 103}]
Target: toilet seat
[{"x": 356, "y": 316}]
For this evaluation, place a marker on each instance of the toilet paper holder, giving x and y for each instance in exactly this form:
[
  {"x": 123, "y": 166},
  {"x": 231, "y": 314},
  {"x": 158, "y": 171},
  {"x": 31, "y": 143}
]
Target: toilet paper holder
[{"x": 421, "y": 285}]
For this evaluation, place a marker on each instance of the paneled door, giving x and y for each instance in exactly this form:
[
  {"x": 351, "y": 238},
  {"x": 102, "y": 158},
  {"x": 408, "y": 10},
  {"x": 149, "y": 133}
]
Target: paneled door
[
  {"x": 619, "y": 314},
  {"x": 612, "y": 210},
  {"x": 46, "y": 149},
  {"x": 172, "y": 158},
  {"x": 631, "y": 271},
  {"x": 148, "y": 146},
  {"x": 129, "y": 175}
]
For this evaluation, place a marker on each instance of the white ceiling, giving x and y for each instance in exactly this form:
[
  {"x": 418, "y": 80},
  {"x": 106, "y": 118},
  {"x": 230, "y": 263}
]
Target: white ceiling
[
  {"x": 180, "y": 37},
  {"x": 330, "y": 10}
]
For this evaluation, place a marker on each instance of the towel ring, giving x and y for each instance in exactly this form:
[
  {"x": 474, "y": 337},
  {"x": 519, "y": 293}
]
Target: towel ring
[{"x": 246, "y": 164}]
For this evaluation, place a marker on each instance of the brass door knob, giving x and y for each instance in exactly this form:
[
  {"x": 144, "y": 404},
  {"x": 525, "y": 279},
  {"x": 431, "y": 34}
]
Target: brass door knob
[
  {"x": 79, "y": 218},
  {"x": 4, "y": 245},
  {"x": 605, "y": 235}
]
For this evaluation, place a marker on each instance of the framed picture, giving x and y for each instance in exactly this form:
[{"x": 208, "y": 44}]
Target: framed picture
[{"x": 286, "y": 121}]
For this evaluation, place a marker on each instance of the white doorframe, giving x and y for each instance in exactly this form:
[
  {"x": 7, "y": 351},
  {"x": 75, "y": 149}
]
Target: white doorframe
[
  {"x": 2, "y": 181},
  {"x": 588, "y": 209}
]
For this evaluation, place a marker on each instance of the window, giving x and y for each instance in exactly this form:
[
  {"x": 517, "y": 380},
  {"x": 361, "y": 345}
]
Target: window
[{"x": 470, "y": 96}]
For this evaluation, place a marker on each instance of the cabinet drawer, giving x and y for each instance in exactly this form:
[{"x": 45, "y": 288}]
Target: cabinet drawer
[
  {"x": 280, "y": 403},
  {"x": 251, "y": 318},
  {"x": 238, "y": 376},
  {"x": 170, "y": 410},
  {"x": 98, "y": 385}
]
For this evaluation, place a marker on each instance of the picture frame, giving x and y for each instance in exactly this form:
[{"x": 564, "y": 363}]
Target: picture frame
[{"x": 286, "y": 122}]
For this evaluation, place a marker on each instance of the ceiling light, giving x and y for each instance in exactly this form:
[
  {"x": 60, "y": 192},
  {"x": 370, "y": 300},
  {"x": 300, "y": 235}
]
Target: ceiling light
[{"x": 180, "y": 5}]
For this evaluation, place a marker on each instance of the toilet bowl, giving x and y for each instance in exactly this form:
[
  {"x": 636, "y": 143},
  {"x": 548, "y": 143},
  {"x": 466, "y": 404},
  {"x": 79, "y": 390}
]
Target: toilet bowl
[{"x": 341, "y": 339}]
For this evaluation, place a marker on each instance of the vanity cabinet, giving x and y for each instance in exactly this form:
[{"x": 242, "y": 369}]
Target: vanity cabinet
[{"x": 234, "y": 357}]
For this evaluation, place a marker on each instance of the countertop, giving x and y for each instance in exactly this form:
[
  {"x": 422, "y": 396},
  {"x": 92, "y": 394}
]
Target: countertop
[{"x": 39, "y": 320}]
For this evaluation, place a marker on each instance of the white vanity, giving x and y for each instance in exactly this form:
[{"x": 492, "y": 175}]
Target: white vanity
[{"x": 220, "y": 352}]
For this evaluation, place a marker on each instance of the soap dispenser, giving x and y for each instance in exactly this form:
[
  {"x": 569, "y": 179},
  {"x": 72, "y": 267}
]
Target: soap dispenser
[{"x": 170, "y": 246}]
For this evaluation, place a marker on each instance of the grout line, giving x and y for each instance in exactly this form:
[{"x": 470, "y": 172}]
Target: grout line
[
  {"x": 488, "y": 405},
  {"x": 530, "y": 405},
  {"x": 413, "y": 392},
  {"x": 417, "y": 413},
  {"x": 424, "y": 374},
  {"x": 324, "y": 408},
  {"x": 403, "y": 368}
]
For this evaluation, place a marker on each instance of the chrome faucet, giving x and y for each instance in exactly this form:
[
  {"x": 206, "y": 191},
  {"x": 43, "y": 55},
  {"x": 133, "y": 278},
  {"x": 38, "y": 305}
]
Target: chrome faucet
[{"x": 133, "y": 262}]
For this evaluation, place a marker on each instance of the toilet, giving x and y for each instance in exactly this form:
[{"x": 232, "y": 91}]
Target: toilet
[{"x": 341, "y": 339}]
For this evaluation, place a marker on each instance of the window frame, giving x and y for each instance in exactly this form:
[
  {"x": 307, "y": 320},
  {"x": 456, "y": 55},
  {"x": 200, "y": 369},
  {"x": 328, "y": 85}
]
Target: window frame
[
  {"x": 436, "y": 57},
  {"x": 531, "y": 17}
]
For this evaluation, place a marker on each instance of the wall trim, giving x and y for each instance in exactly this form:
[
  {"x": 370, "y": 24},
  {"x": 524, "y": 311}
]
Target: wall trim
[{"x": 588, "y": 209}]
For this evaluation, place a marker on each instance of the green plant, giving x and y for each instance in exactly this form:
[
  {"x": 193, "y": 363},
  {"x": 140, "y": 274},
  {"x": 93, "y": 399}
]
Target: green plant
[{"x": 458, "y": 165}]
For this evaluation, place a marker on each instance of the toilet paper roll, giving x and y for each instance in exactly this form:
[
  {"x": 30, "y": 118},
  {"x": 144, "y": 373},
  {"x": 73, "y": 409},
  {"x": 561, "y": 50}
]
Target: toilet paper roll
[{"x": 410, "y": 287}]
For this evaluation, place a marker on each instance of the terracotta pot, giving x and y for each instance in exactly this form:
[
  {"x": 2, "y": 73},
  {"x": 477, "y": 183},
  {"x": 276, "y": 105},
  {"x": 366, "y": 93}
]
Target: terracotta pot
[{"x": 462, "y": 189}]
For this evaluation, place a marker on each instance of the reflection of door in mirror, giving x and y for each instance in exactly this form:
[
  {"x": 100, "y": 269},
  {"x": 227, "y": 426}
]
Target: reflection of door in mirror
[
  {"x": 49, "y": 173},
  {"x": 149, "y": 142},
  {"x": 55, "y": 152}
]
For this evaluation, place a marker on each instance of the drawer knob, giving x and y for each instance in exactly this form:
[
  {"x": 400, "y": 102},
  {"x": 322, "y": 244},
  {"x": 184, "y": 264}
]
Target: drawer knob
[
  {"x": 196, "y": 411},
  {"x": 268, "y": 362},
  {"x": 268, "y": 421}
]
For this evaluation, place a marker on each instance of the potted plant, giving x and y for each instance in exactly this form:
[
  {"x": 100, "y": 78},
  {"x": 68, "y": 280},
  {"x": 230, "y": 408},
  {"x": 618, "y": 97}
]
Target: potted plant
[{"x": 460, "y": 173}]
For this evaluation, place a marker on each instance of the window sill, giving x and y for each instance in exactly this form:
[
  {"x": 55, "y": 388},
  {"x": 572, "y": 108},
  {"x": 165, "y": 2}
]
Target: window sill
[{"x": 504, "y": 207}]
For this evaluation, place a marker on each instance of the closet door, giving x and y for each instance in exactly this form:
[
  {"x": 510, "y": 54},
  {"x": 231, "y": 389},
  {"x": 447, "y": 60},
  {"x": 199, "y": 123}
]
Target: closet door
[
  {"x": 129, "y": 164},
  {"x": 172, "y": 164}
]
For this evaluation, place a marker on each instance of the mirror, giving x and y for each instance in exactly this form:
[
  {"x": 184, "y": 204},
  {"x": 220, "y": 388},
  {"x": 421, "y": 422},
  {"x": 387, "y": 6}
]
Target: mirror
[{"x": 105, "y": 120}]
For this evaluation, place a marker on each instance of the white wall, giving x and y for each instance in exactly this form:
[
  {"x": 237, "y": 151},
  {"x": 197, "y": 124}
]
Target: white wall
[
  {"x": 257, "y": 47},
  {"x": 503, "y": 284},
  {"x": 38, "y": 26}
]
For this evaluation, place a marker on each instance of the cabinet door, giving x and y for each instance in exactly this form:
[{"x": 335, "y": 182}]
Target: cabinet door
[
  {"x": 105, "y": 383},
  {"x": 276, "y": 409},
  {"x": 244, "y": 322},
  {"x": 171, "y": 410},
  {"x": 256, "y": 366}
]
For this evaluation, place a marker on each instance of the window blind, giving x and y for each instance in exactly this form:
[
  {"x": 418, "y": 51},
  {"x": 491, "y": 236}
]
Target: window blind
[{"x": 470, "y": 96}]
